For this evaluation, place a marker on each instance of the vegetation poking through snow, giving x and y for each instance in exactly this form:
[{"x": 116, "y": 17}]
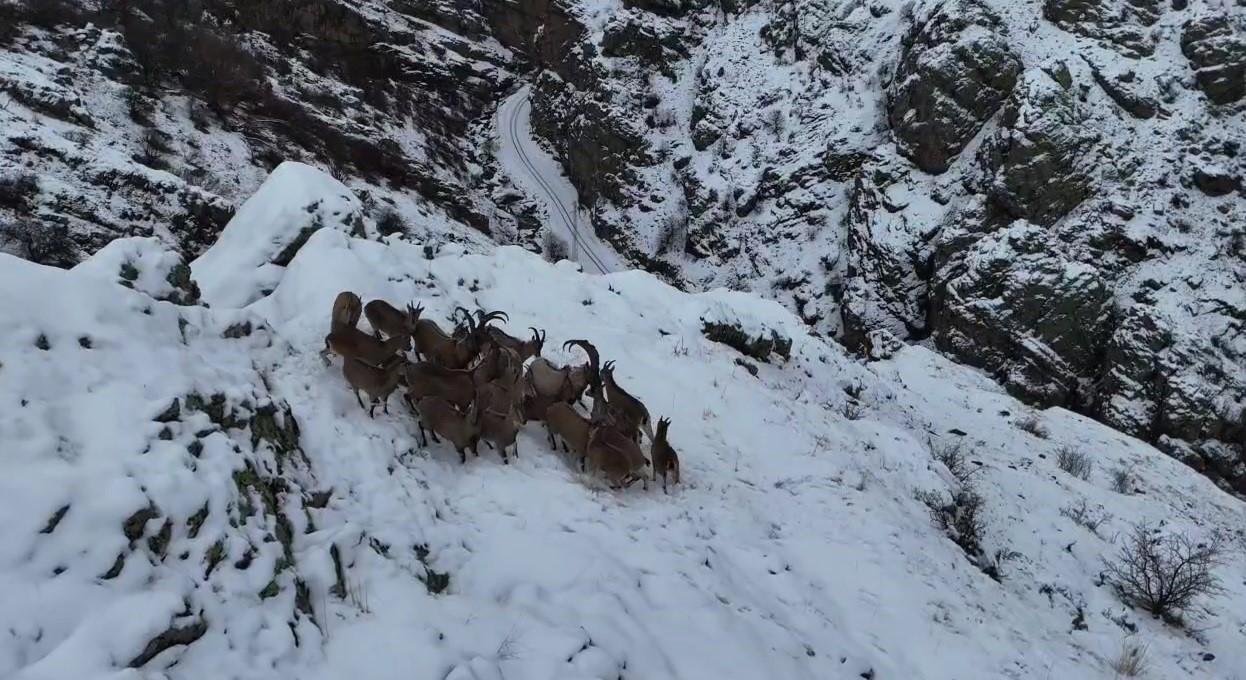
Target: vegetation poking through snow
[
  {"x": 1166, "y": 574},
  {"x": 760, "y": 348}
]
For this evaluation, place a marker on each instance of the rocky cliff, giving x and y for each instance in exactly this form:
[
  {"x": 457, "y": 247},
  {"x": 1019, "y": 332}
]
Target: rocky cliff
[{"x": 1052, "y": 192}]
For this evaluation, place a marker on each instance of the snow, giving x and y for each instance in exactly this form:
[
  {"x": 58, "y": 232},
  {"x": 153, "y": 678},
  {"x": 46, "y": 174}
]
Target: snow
[
  {"x": 295, "y": 198},
  {"x": 539, "y": 174},
  {"x": 794, "y": 548}
]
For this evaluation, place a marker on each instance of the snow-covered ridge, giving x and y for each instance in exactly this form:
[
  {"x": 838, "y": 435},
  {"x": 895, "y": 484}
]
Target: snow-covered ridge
[{"x": 271, "y": 525}]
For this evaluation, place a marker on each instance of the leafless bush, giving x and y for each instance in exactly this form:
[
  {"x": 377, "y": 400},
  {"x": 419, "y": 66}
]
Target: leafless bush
[
  {"x": 1085, "y": 516},
  {"x": 47, "y": 244},
  {"x": 961, "y": 518},
  {"x": 775, "y": 120},
  {"x": 1165, "y": 574},
  {"x": 1123, "y": 480},
  {"x": 952, "y": 455},
  {"x": 1074, "y": 462},
  {"x": 1033, "y": 425},
  {"x": 1131, "y": 661},
  {"x": 672, "y": 233},
  {"x": 388, "y": 221},
  {"x": 851, "y": 410},
  {"x": 554, "y": 248},
  {"x": 16, "y": 189},
  {"x": 663, "y": 118}
]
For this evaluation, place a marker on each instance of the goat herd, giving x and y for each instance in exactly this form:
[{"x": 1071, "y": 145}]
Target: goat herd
[{"x": 480, "y": 383}]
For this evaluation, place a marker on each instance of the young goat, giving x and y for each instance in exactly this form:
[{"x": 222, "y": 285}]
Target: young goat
[
  {"x": 387, "y": 319},
  {"x": 612, "y": 451},
  {"x": 450, "y": 351},
  {"x": 378, "y": 383},
  {"x": 346, "y": 310},
  {"x": 562, "y": 421},
  {"x": 616, "y": 455},
  {"x": 441, "y": 418},
  {"x": 664, "y": 457},
  {"x": 458, "y": 386},
  {"x": 499, "y": 416},
  {"x": 524, "y": 348},
  {"x": 549, "y": 382},
  {"x": 625, "y": 410},
  {"x": 349, "y": 341}
]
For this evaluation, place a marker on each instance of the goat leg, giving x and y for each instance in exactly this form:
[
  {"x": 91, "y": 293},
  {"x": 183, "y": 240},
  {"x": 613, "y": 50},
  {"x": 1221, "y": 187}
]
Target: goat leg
[
  {"x": 423, "y": 436},
  {"x": 359, "y": 400},
  {"x": 552, "y": 444},
  {"x": 372, "y": 408},
  {"x": 463, "y": 456}
]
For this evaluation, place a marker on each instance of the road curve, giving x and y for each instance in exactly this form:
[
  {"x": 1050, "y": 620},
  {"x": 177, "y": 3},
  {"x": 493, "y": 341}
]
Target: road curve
[{"x": 569, "y": 215}]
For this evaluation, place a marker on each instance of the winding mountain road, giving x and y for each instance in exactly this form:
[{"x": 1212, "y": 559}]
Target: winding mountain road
[{"x": 539, "y": 174}]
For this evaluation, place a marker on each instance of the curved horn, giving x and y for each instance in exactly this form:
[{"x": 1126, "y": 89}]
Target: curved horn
[
  {"x": 486, "y": 318},
  {"x": 594, "y": 359},
  {"x": 467, "y": 316},
  {"x": 536, "y": 335}
]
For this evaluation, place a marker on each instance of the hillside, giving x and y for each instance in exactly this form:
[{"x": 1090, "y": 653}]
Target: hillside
[
  {"x": 1049, "y": 191},
  {"x": 190, "y": 492}
]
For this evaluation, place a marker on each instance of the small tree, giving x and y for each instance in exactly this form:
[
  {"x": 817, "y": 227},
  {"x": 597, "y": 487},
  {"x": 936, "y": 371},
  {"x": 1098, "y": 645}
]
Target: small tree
[
  {"x": 1074, "y": 462},
  {"x": 555, "y": 249},
  {"x": 1165, "y": 574}
]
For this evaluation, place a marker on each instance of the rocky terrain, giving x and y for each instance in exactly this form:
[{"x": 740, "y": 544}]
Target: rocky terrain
[
  {"x": 1052, "y": 192},
  {"x": 191, "y": 491}
]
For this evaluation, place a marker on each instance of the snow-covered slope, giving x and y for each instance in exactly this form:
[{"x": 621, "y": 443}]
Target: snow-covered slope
[
  {"x": 1051, "y": 191},
  {"x": 192, "y": 492}
]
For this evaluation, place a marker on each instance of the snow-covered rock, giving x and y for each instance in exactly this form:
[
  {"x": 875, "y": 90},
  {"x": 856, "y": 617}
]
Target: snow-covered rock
[
  {"x": 266, "y": 233},
  {"x": 190, "y": 492}
]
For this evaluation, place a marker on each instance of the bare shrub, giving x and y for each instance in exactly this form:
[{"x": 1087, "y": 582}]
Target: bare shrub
[
  {"x": 47, "y": 244},
  {"x": 17, "y": 189},
  {"x": 1131, "y": 661},
  {"x": 1165, "y": 574},
  {"x": 554, "y": 248},
  {"x": 1033, "y": 425},
  {"x": 774, "y": 120},
  {"x": 952, "y": 455},
  {"x": 388, "y": 221},
  {"x": 672, "y": 233},
  {"x": 1123, "y": 480},
  {"x": 1074, "y": 462},
  {"x": 851, "y": 410},
  {"x": 1085, "y": 516},
  {"x": 960, "y": 519}
]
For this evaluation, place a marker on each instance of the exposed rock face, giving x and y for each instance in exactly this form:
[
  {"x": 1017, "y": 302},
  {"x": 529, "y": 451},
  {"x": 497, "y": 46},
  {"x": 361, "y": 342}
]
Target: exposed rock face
[
  {"x": 1036, "y": 165},
  {"x": 955, "y": 71},
  {"x": 1120, "y": 24},
  {"x": 1034, "y": 319},
  {"x": 167, "y": 114},
  {"x": 1217, "y": 53},
  {"x": 886, "y": 170}
]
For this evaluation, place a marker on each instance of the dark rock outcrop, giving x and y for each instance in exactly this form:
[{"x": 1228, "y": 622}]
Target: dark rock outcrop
[
  {"x": 1217, "y": 53},
  {"x": 1121, "y": 24},
  {"x": 1037, "y": 163},
  {"x": 1036, "y": 320},
  {"x": 955, "y": 71}
]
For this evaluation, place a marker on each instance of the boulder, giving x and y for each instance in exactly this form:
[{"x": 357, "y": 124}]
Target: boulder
[
  {"x": 1121, "y": 25},
  {"x": 955, "y": 71},
  {"x": 1017, "y": 307},
  {"x": 1217, "y": 53},
  {"x": 1037, "y": 164},
  {"x": 1215, "y": 180}
]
